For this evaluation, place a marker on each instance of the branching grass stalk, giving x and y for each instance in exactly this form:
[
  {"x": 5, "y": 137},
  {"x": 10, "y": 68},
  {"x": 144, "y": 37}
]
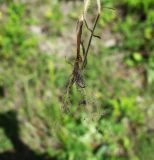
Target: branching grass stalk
[{"x": 76, "y": 76}]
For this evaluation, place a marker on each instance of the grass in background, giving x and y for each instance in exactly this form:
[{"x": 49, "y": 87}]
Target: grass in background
[{"x": 119, "y": 79}]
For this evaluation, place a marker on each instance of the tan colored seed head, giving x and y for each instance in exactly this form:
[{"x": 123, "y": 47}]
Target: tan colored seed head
[
  {"x": 99, "y": 6},
  {"x": 87, "y": 4}
]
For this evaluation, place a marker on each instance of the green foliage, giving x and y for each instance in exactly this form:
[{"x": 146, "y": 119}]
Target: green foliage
[
  {"x": 114, "y": 123},
  {"x": 150, "y": 69},
  {"x": 55, "y": 16},
  {"x": 137, "y": 28}
]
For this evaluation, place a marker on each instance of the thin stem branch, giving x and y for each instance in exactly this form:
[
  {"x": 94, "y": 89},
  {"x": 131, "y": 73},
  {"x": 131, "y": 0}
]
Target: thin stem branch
[{"x": 89, "y": 42}]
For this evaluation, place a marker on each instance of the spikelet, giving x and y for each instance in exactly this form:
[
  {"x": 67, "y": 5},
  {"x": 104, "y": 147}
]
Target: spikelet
[
  {"x": 99, "y": 6},
  {"x": 86, "y": 6}
]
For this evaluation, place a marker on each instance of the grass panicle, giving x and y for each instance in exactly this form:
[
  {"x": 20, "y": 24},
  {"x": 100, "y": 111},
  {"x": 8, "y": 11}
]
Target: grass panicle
[{"x": 80, "y": 63}]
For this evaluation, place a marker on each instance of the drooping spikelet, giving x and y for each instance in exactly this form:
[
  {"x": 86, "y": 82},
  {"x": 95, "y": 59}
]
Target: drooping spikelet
[
  {"x": 99, "y": 6},
  {"x": 86, "y": 6}
]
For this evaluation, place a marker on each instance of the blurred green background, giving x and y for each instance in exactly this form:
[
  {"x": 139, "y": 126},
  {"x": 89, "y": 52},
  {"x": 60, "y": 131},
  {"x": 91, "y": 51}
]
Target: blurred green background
[{"x": 37, "y": 40}]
